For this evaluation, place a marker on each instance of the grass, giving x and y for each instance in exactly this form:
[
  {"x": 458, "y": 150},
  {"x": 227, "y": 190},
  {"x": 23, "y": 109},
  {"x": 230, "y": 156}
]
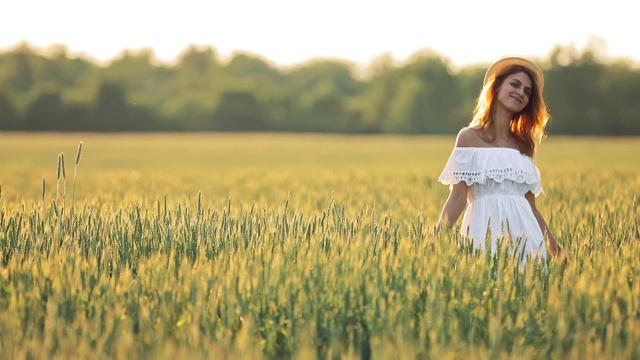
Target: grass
[{"x": 303, "y": 246}]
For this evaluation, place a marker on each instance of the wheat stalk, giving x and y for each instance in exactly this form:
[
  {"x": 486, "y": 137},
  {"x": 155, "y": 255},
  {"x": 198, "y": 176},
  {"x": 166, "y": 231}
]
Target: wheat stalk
[
  {"x": 44, "y": 186},
  {"x": 58, "y": 172},
  {"x": 75, "y": 169},
  {"x": 199, "y": 205},
  {"x": 64, "y": 181}
]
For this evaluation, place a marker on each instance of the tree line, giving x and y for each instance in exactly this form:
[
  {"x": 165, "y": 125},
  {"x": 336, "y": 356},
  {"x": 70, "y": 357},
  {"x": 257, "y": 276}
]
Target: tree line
[{"x": 53, "y": 91}]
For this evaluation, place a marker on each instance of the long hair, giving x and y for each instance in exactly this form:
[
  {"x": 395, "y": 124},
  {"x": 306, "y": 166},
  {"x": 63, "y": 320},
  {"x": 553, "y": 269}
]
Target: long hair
[{"x": 527, "y": 126}]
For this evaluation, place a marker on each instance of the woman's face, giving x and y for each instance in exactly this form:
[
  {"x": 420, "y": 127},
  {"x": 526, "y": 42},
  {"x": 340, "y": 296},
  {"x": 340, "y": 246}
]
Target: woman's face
[{"x": 514, "y": 92}]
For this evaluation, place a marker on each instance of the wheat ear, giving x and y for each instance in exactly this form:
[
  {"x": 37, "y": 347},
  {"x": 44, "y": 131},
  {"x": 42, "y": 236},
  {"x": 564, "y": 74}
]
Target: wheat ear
[{"x": 73, "y": 192}]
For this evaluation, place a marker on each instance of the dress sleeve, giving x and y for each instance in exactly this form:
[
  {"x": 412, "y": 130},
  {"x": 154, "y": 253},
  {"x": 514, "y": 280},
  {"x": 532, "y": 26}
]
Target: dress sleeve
[
  {"x": 460, "y": 167},
  {"x": 536, "y": 185}
]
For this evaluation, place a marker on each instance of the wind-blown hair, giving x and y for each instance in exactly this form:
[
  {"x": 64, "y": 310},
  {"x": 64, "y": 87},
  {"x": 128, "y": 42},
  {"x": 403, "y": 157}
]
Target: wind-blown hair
[{"x": 527, "y": 126}]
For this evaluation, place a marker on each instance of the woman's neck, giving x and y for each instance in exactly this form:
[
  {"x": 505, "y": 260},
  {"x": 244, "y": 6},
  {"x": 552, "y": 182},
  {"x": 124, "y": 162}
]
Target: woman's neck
[{"x": 502, "y": 123}]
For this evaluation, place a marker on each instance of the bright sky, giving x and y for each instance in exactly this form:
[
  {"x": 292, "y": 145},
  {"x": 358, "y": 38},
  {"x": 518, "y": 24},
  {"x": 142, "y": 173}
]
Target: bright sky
[{"x": 289, "y": 32}]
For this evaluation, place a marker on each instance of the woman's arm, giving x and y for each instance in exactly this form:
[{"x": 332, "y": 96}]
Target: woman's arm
[
  {"x": 457, "y": 199},
  {"x": 454, "y": 205},
  {"x": 552, "y": 244}
]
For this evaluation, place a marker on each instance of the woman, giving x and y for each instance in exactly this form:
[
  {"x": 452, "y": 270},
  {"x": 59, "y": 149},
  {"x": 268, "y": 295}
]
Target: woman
[{"x": 491, "y": 166}]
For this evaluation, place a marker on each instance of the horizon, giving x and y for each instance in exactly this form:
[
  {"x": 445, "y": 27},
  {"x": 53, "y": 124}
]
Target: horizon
[
  {"x": 288, "y": 33},
  {"x": 595, "y": 43}
]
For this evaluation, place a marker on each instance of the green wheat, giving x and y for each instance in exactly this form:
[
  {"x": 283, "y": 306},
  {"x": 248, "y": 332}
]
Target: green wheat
[{"x": 327, "y": 252}]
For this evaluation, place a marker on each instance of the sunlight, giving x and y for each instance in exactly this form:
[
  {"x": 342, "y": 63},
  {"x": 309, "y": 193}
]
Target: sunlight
[{"x": 289, "y": 32}]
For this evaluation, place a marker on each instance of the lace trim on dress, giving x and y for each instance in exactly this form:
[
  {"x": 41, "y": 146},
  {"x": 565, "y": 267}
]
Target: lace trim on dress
[
  {"x": 449, "y": 177},
  {"x": 464, "y": 162}
]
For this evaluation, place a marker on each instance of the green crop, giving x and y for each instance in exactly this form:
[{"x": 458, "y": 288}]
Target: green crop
[{"x": 303, "y": 246}]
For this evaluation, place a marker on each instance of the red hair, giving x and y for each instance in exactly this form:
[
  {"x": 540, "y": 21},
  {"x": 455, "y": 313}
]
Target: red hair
[{"x": 527, "y": 126}]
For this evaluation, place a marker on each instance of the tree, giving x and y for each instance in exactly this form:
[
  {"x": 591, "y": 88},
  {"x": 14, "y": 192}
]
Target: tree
[
  {"x": 621, "y": 87},
  {"x": 587, "y": 93},
  {"x": 406, "y": 106},
  {"x": 198, "y": 61},
  {"x": 22, "y": 78},
  {"x": 438, "y": 92},
  {"x": 8, "y": 115},
  {"x": 252, "y": 67},
  {"x": 75, "y": 117},
  {"x": 46, "y": 113},
  {"x": 319, "y": 92},
  {"x": 574, "y": 95},
  {"x": 238, "y": 111},
  {"x": 469, "y": 81},
  {"x": 111, "y": 111}
]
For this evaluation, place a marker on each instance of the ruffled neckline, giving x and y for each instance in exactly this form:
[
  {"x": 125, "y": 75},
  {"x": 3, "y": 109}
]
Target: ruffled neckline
[{"x": 477, "y": 164}]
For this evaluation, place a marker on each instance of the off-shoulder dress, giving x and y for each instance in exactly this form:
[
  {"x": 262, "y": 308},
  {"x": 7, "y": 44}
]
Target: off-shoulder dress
[{"x": 498, "y": 179}]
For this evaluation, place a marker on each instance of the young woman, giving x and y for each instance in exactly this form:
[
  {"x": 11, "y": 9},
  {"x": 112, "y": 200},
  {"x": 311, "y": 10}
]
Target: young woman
[{"x": 491, "y": 167}]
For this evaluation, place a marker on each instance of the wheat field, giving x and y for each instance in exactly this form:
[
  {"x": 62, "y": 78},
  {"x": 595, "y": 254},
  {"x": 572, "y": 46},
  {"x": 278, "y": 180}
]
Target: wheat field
[{"x": 244, "y": 246}]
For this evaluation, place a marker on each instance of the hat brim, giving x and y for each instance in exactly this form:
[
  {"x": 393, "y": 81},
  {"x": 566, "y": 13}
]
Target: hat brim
[{"x": 502, "y": 64}]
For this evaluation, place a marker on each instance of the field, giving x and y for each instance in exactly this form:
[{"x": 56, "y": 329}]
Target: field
[{"x": 201, "y": 246}]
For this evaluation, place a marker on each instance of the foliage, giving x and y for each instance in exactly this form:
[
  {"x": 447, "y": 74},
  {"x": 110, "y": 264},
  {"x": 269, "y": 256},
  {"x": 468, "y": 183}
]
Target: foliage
[
  {"x": 200, "y": 92},
  {"x": 279, "y": 246}
]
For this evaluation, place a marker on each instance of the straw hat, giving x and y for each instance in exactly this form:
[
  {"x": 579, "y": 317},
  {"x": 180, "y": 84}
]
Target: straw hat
[{"x": 500, "y": 65}]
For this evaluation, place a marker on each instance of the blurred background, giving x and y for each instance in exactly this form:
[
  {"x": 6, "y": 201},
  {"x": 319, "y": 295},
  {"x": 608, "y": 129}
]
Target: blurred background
[{"x": 352, "y": 67}]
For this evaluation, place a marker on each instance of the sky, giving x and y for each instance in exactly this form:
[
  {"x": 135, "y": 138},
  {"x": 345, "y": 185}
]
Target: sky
[{"x": 290, "y": 32}]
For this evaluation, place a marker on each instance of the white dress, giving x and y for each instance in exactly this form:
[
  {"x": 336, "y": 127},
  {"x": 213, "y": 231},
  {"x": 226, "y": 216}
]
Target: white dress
[{"x": 498, "y": 178}]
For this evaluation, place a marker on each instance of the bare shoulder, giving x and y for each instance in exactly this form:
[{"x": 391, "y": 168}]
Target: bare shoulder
[{"x": 468, "y": 137}]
